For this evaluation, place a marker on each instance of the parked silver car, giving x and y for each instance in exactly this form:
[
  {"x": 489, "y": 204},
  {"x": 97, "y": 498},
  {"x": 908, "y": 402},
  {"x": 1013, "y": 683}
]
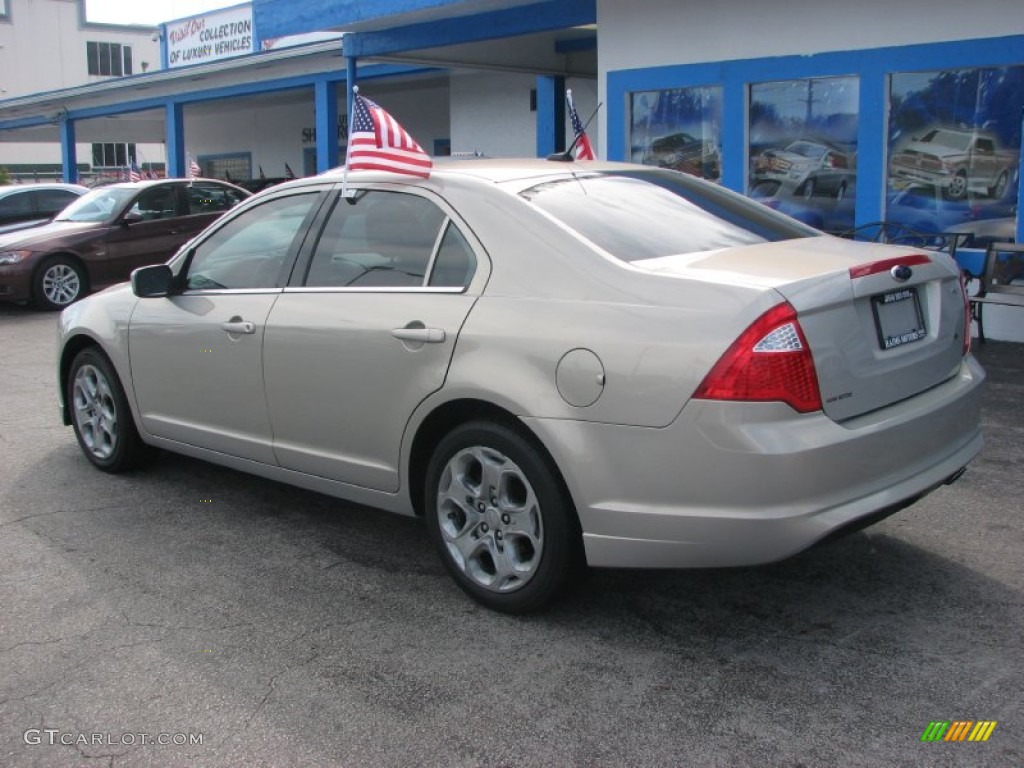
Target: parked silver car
[{"x": 553, "y": 364}]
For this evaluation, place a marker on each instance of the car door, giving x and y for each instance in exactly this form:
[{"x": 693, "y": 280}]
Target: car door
[
  {"x": 197, "y": 355},
  {"x": 151, "y": 236},
  {"x": 365, "y": 334}
]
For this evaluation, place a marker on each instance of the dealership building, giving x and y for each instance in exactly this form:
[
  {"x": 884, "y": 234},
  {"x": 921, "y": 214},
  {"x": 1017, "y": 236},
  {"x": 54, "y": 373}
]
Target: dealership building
[{"x": 841, "y": 114}]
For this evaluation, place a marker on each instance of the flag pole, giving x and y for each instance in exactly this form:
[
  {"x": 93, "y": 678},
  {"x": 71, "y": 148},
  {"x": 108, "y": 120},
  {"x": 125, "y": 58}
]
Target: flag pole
[{"x": 348, "y": 143}]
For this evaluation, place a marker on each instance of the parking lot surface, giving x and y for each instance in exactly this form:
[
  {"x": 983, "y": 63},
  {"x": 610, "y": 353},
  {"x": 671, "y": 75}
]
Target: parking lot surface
[{"x": 189, "y": 603}]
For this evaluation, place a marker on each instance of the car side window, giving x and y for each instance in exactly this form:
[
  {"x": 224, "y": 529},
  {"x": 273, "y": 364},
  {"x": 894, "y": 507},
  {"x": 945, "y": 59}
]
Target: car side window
[
  {"x": 209, "y": 198},
  {"x": 156, "y": 203},
  {"x": 377, "y": 239},
  {"x": 249, "y": 251},
  {"x": 51, "y": 201},
  {"x": 455, "y": 262},
  {"x": 16, "y": 205}
]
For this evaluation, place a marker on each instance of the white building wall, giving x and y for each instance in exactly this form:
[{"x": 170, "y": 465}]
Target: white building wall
[
  {"x": 490, "y": 113},
  {"x": 43, "y": 48},
  {"x": 651, "y": 33},
  {"x": 274, "y": 134}
]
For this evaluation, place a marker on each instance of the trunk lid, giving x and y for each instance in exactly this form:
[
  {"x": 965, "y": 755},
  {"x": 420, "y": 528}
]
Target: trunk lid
[{"x": 883, "y": 322}]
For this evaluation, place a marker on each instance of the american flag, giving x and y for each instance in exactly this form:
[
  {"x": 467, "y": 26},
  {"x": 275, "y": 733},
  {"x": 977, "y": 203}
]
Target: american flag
[
  {"x": 193, "y": 168},
  {"x": 583, "y": 149},
  {"x": 288, "y": 172},
  {"x": 133, "y": 173},
  {"x": 378, "y": 143}
]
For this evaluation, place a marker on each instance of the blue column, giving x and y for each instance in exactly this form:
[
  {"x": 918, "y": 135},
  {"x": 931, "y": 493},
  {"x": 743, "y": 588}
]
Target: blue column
[
  {"x": 68, "y": 155},
  {"x": 326, "y": 120},
  {"x": 550, "y": 115},
  {"x": 350, "y": 80},
  {"x": 175, "y": 129}
]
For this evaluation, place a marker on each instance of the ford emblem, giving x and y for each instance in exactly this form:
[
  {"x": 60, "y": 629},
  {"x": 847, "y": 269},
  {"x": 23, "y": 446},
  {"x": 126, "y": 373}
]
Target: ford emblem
[{"x": 901, "y": 273}]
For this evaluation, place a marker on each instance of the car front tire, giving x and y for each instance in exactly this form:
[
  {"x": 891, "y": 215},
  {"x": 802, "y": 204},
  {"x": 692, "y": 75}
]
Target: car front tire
[
  {"x": 500, "y": 518},
  {"x": 59, "y": 282},
  {"x": 100, "y": 415}
]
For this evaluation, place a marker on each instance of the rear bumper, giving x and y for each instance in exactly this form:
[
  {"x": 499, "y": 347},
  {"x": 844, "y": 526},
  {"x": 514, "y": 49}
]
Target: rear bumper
[{"x": 734, "y": 484}]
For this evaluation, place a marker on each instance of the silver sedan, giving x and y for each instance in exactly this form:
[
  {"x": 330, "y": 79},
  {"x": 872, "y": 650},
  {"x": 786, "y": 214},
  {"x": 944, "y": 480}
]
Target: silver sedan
[{"x": 555, "y": 364}]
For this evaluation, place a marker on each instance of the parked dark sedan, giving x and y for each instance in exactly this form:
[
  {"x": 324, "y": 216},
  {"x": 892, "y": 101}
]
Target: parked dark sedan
[{"x": 101, "y": 237}]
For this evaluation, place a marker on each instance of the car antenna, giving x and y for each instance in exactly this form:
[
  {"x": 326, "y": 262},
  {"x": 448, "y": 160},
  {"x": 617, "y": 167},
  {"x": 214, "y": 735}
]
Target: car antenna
[{"x": 567, "y": 157}]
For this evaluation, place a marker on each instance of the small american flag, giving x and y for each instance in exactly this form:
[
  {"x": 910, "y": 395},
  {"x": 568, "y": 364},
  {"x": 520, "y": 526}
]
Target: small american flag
[
  {"x": 193, "y": 168},
  {"x": 288, "y": 172},
  {"x": 583, "y": 149},
  {"x": 378, "y": 143},
  {"x": 133, "y": 173}
]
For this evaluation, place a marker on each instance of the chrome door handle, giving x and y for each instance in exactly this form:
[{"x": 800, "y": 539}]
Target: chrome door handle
[
  {"x": 419, "y": 335},
  {"x": 239, "y": 326}
]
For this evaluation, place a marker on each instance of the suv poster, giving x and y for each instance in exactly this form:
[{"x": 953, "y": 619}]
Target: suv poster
[
  {"x": 803, "y": 148},
  {"x": 679, "y": 129},
  {"x": 954, "y": 152}
]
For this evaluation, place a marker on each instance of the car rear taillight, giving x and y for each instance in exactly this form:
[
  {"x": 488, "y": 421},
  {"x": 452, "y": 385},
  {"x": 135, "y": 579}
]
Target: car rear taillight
[
  {"x": 770, "y": 361},
  {"x": 967, "y": 314}
]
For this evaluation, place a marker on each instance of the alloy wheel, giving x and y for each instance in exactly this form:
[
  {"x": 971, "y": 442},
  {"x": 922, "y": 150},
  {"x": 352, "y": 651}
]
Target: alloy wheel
[
  {"x": 95, "y": 411},
  {"x": 490, "y": 519},
  {"x": 61, "y": 284}
]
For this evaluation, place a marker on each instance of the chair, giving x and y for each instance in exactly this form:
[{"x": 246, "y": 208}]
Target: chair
[{"x": 1002, "y": 281}]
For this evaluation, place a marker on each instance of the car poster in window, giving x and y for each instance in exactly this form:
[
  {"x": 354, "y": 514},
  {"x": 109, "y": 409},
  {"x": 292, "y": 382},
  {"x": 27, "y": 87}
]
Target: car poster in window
[
  {"x": 954, "y": 152},
  {"x": 678, "y": 129},
  {"x": 803, "y": 148}
]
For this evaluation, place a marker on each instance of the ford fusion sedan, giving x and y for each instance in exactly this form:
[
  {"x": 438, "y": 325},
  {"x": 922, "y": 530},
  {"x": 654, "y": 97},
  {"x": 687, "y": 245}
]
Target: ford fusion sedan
[
  {"x": 102, "y": 236},
  {"x": 555, "y": 365}
]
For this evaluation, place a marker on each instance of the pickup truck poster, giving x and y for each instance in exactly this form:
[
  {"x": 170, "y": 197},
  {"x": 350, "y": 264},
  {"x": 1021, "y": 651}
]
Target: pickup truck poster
[
  {"x": 954, "y": 151},
  {"x": 679, "y": 128},
  {"x": 803, "y": 148}
]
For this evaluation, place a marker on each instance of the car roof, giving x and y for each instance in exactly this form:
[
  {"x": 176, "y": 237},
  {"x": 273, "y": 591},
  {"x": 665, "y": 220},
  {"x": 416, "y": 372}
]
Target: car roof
[
  {"x": 158, "y": 182},
  {"x": 496, "y": 170},
  {"x": 9, "y": 189}
]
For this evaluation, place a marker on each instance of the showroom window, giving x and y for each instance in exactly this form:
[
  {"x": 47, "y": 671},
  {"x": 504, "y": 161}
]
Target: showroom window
[
  {"x": 113, "y": 155},
  {"x": 954, "y": 151},
  {"x": 109, "y": 59},
  {"x": 678, "y": 128},
  {"x": 3, "y": 10},
  {"x": 803, "y": 148},
  {"x": 234, "y": 167}
]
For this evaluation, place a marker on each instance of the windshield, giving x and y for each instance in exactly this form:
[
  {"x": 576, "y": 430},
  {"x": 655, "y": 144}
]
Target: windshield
[
  {"x": 650, "y": 214},
  {"x": 98, "y": 205},
  {"x": 951, "y": 139}
]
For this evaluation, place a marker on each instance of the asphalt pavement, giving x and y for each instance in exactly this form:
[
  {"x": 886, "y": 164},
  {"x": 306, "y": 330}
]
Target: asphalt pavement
[{"x": 189, "y": 615}]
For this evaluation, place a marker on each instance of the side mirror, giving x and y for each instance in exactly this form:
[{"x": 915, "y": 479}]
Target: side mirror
[
  {"x": 152, "y": 282},
  {"x": 132, "y": 217}
]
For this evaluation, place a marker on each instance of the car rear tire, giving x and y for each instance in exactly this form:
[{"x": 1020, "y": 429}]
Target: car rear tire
[
  {"x": 100, "y": 415},
  {"x": 58, "y": 283},
  {"x": 808, "y": 190},
  {"x": 500, "y": 518}
]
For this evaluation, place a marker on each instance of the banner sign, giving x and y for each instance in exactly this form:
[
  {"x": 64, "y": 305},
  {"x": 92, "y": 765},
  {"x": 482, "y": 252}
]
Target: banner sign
[{"x": 209, "y": 37}]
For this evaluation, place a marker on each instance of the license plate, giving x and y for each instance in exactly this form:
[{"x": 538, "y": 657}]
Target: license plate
[{"x": 898, "y": 317}]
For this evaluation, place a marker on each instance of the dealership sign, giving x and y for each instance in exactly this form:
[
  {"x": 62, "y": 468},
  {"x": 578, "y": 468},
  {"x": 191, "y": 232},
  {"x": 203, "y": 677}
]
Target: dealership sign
[{"x": 209, "y": 37}]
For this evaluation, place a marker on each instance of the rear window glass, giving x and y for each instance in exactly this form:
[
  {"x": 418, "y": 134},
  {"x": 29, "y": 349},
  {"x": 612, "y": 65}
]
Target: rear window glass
[{"x": 648, "y": 215}]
